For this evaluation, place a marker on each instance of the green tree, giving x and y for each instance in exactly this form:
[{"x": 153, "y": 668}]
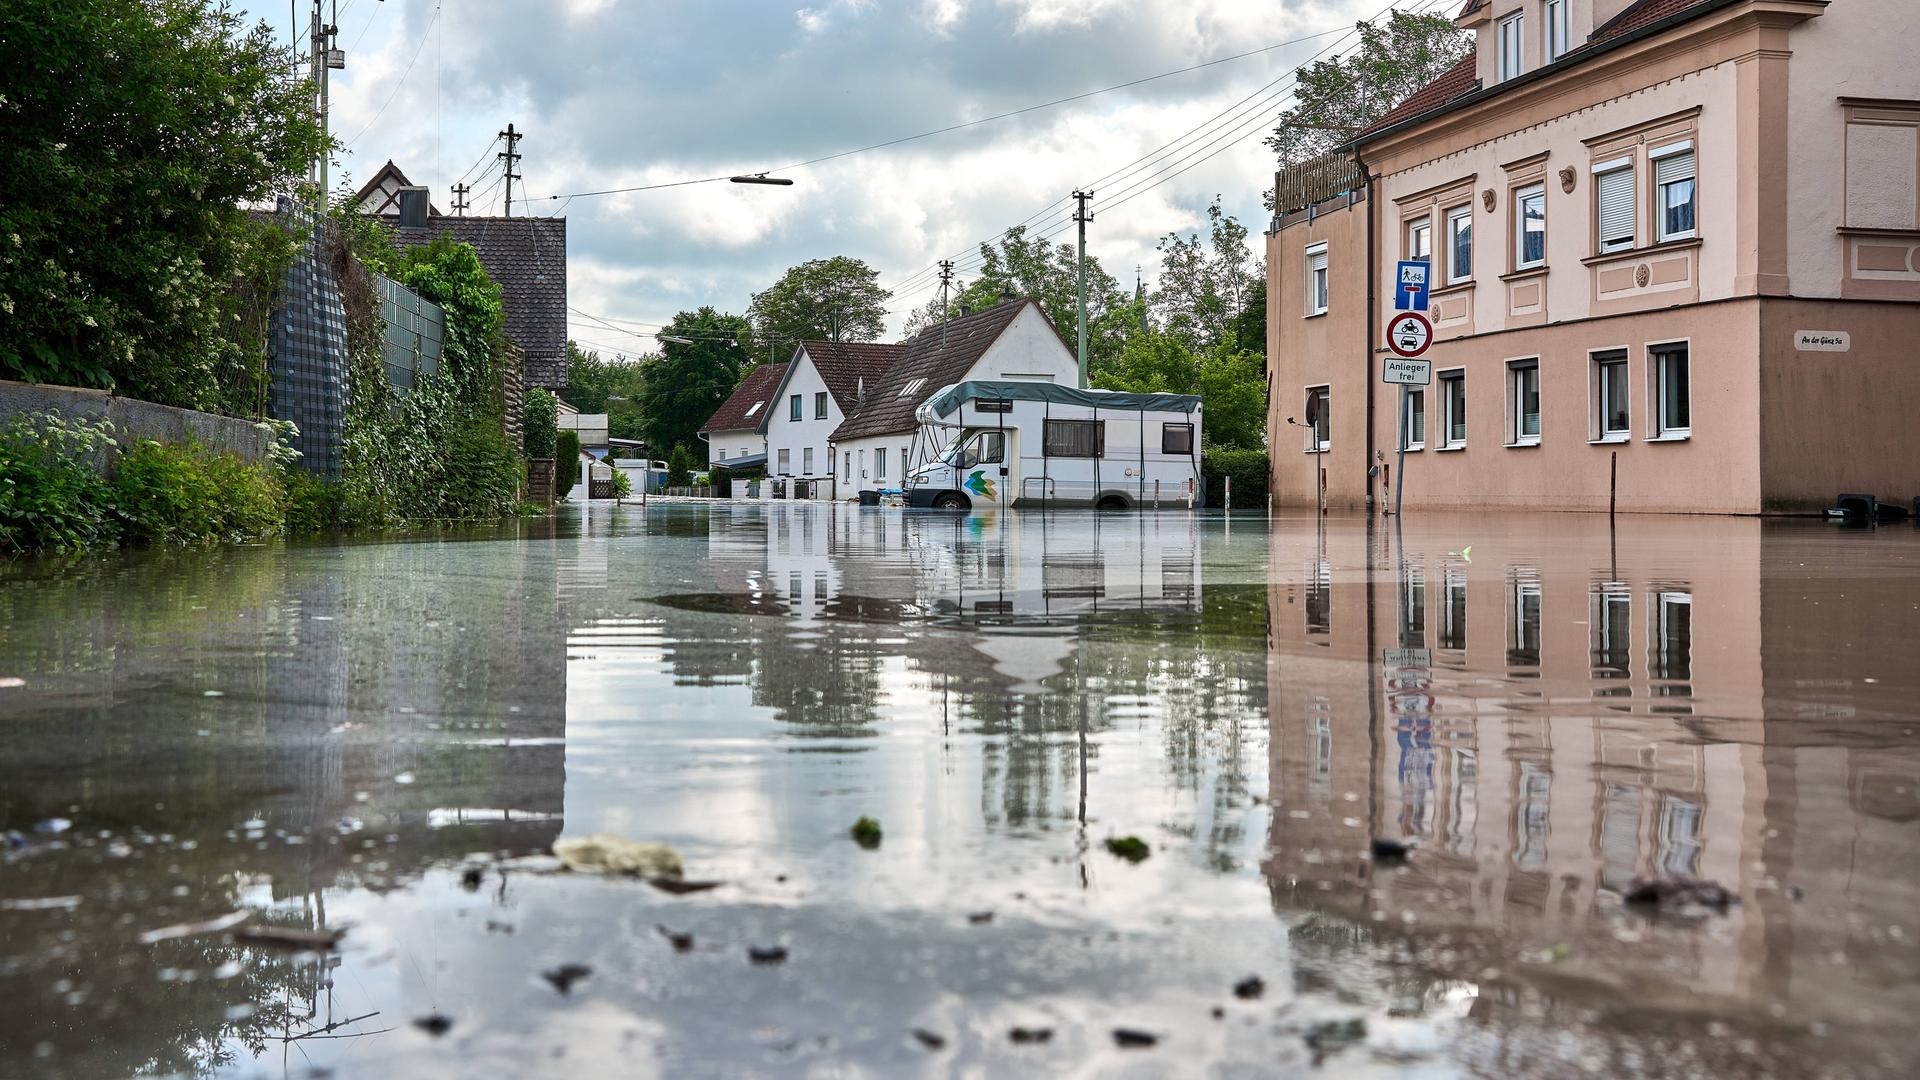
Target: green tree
[
  {"x": 134, "y": 134},
  {"x": 1205, "y": 285},
  {"x": 1343, "y": 94},
  {"x": 599, "y": 385},
  {"x": 1024, "y": 266},
  {"x": 448, "y": 272},
  {"x": 680, "y": 466},
  {"x": 682, "y": 385},
  {"x": 1229, "y": 381},
  {"x": 837, "y": 299},
  {"x": 1250, "y": 329}
]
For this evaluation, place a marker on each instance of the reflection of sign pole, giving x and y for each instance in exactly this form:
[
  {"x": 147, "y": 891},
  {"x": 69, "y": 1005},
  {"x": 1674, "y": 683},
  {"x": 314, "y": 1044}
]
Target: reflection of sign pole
[{"x": 1408, "y": 335}]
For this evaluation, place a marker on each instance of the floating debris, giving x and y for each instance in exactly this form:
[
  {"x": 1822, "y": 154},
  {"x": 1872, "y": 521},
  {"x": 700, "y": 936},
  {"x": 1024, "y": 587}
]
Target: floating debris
[
  {"x": 564, "y": 976},
  {"x": 604, "y": 853},
  {"x": 866, "y": 833},
  {"x": 1218, "y": 1013},
  {"x": 930, "y": 1040},
  {"x": 189, "y": 929},
  {"x": 767, "y": 954},
  {"x": 980, "y": 918},
  {"x": 1333, "y": 1036},
  {"x": 682, "y": 939},
  {"x": 499, "y": 927},
  {"x": 1249, "y": 988},
  {"x": 678, "y": 887},
  {"x": 434, "y": 1024},
  {"x": 284, "y": 937},
  {"x": 1131, "y": 848},
  {"x": 1134, "y": 1038},
  {"x": 1389, "y": 852},
  {"x": 1031, "y": 1035},
  {"x": 1679, "y": 894},
  {"x": 471, "y": 878}
]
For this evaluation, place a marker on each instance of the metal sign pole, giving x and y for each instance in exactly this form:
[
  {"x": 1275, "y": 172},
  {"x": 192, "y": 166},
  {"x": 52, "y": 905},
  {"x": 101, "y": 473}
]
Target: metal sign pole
[{"x": 1400, "y": 466}]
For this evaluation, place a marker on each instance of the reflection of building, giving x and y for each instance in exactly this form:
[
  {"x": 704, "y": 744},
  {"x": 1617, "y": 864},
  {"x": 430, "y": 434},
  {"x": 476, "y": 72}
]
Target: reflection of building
[{"x": 1546, "y": 723}]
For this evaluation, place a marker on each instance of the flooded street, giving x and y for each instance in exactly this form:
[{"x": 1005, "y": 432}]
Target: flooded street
[{"x": 389, "y": 738}]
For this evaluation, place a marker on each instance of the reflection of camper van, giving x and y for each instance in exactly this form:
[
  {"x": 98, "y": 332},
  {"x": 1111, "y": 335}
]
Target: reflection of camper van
[{"x": 1038, "y": 444}]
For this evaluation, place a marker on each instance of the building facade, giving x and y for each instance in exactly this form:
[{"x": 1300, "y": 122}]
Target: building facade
[
  {"x": 732, "y": 433},
  {"x": 1674, "y": 254},
  {"x": 823, "y": 384}
]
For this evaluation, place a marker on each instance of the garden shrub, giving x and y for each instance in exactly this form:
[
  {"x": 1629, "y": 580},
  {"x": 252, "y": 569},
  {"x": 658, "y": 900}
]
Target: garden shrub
[
  {"x": 313, "y": 503},
  {"x": 51, "y": 492},
  {"x": 679, "y": 466},
  {"x": 539, "y": 417},
  {"x": 566, "y": 463},
  {"x": 481, "y": 478},
  {"x": 622, "y": 484},
  {"x": 193, "y": 495},
  {"x": 1248, "y": 469}
]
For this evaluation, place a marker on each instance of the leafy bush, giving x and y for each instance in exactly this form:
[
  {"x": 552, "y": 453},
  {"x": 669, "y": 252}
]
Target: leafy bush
[
  {"x": 539, "y": 415},
  {"x": 482, "y": 474},
  {"x": 51, "y": 492},
  {"x": 679, "y": 466},
  {"x": 449, "y": 273},
  {"x": 313, "y": 503},
  {"x": 622, "y": 484},
  {"x": 566, "y": 463},
  {"x": 193, "y": 495},
  {"x": 1249, "y": 471}
]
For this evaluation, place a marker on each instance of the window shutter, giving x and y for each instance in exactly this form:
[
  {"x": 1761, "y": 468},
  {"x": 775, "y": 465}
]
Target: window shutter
[
  {"x": 1673, "y": 167},
  {"x": 1616, "y": 207}
]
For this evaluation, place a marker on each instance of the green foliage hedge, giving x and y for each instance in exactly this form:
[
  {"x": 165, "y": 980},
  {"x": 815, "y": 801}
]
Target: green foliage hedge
[
  {"x": 566, "y": 463},
  {"x": 539, "y": 414},
  {"x": 192, "y": 495},
  {"x": 51, "y": 494},
  {"x": 1248, "y": 469}
]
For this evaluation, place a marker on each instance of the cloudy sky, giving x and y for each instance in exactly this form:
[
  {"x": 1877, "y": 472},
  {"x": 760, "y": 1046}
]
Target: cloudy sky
[{"x": 622, "y": 93}]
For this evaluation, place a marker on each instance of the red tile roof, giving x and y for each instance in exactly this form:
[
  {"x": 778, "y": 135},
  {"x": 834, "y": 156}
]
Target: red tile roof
[
  {"x": 844, "y": 364},
  {"x": 1641, "y": 14},
  {"x": 737, "y": 413},
  {"x": 1455, "y": 81}
]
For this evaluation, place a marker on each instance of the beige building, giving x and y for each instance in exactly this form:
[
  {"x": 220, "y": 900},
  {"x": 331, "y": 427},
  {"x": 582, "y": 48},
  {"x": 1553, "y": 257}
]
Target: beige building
[{"x": 1674, "y": 250}]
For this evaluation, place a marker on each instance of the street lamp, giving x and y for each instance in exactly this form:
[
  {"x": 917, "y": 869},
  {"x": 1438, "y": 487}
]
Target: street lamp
[
  {"x": 760, "y": 178},
  {"x": 674, "y": 338}
]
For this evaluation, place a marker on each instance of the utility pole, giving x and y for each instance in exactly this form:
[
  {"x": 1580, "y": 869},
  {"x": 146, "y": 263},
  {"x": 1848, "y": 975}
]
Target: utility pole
[
  {"x": 512, "y": 157},
  {"x": 460, "y": 199},
  {"x": 1081, "y": 216},
  {"x": 946, "y": 278},
  {"x": 322, "y": 58}
]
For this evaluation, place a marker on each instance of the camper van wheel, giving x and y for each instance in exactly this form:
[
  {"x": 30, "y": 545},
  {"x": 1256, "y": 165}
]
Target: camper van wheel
[
  {"x": 1110, "y": 502},
  {"x": 949, "y": 501}
]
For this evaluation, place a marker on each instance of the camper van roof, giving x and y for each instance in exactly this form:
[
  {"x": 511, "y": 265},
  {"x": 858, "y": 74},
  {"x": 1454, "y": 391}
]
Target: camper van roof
[{"x": 950, "y": 398}]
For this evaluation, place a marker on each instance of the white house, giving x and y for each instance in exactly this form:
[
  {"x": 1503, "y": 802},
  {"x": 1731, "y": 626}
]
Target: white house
[
  {"x": 1010, "y": 341},
  {"x": 733, "y": 431},
  {"x": 820, "y": 387}
]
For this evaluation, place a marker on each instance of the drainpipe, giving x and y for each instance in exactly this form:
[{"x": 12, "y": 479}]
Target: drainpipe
[{"x": 1373, "y": 275}]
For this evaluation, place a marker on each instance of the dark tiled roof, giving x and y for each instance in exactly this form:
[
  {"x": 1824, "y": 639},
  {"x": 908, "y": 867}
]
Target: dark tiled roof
[
  {"x": 1644, "y": 13},
  {"x": 737, "y": 413},
  {"x": 527, "y": 258},
  {"x": 844, "y": 364},
  {"x": 934, "y": 360},
  {"x": 386, "y": 205},
  {"x": 1455, "y": 81}
]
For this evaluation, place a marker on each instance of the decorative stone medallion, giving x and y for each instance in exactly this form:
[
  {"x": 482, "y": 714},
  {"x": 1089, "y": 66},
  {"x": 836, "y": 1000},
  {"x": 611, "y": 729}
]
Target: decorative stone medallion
[
  {"x": 1641, "y": 274},
  {"x": 1487, "y": 199},
  {"x": 1567, "y": 177}
]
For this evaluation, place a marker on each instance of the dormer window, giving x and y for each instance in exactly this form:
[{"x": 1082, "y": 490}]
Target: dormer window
[
  {"x": 1556, "y": 13},
  {"x": 1513, "y": 57}
]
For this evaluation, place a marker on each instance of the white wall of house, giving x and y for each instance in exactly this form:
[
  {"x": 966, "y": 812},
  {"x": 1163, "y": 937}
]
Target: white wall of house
[
  {"x": 798, "y": 448},
  {"x": 1027, "y": 349},
  {"x": 734, "y": 445}
]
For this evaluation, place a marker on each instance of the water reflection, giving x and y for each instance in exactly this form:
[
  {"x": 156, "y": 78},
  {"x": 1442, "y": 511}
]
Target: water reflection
[
  {"x": 331, "y": 735},
  {"x": 1656, "y": 705}
]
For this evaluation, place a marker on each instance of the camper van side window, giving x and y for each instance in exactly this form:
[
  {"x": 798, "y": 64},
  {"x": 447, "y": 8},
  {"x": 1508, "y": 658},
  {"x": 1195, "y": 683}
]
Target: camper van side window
[
  {"x": 1075, "y": 438},
  {"x": 1176, "y": 438},
  {"x": 992, "y": 447}
]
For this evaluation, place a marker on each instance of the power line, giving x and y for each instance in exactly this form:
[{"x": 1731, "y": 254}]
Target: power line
[{"x": 403, "y": 76}]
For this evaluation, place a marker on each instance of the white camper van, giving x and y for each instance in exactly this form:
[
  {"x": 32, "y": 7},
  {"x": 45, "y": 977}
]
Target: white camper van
[{"x": 1036, "y": 444}]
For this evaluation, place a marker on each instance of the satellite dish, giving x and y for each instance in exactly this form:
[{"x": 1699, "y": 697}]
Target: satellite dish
[{"x": 1313, "y": 410}]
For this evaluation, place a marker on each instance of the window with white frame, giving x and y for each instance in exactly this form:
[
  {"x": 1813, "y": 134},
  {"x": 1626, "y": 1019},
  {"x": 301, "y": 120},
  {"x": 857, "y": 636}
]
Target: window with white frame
[
  {"x": 880, "y": 464},
  {"x": 1319, "y": 432},
  {"x": 1459, "y": 245},
  {"x": 1530, "y": 227},
  {"x": 785, "y": 460},
  {"x": 1556, "y": 15},
  {"x": 1613, "y": 204},
  {"x": 1612, "y": 407},
  {"x": 1317, "y": 279},
  {"x": 1512, "y": 45},
  {"x": 846, "y": 466},
  {"x": 1672, "y": 395},
  {"x": 1674, "y": 191},
  {"x": 723, "y": 455},
  {"x": 806, "y": 461},
  {"x": 1413, "y": 428},
  {"x": 1420, "y": 240},
  {"x": 1453, "y": 409},
  {"x": 1523, "y": 396}
]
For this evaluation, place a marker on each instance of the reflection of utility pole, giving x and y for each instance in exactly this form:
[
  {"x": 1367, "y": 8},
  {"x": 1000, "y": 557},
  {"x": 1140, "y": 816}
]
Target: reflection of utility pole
[
  {"x": 946, "y": 278},
  {"x": 512, "y": 157},
  {"x": 1081, "y": 216}
]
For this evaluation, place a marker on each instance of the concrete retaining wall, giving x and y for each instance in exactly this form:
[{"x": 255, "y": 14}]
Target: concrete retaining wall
[{"x": 133, "y": 419}]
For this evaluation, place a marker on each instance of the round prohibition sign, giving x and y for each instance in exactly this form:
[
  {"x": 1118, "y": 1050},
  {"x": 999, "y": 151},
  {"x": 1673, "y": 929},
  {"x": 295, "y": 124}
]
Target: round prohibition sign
[{"x": 1409, "y": 333}]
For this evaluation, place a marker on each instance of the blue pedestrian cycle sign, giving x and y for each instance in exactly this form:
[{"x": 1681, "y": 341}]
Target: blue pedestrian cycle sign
[{"x": 1410, "y": 294}]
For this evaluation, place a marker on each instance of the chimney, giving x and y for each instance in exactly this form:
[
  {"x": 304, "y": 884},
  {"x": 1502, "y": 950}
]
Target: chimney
[{"x": 413, "y": 208}]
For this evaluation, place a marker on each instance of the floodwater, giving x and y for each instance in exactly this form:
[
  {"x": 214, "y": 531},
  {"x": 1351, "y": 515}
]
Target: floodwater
[{"x": 389, "y": 737}]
